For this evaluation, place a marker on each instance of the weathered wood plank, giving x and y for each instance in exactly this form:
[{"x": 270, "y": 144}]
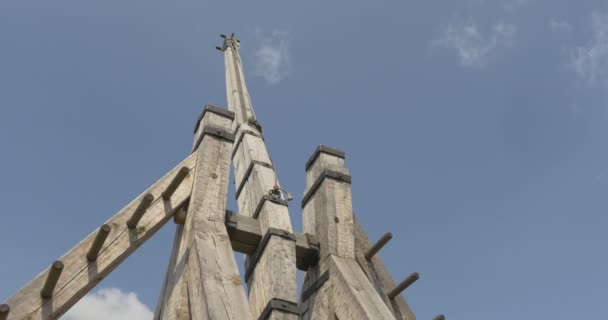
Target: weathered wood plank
[
  {"x": 354, "y": 297},
  {"x": 80, "y": 275},
  {"x": 328, "y": 212},
  {"x": 206, "y": 278},
  {"x": 275, "y": 273}
]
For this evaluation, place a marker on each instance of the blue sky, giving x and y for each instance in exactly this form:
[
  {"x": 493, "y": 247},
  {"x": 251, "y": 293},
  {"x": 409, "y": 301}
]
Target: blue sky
[{"x": 475, "y": 131}]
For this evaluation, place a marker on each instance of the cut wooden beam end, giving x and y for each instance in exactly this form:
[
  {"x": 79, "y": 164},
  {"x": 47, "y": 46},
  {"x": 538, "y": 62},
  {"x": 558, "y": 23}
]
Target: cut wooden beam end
[
  {"x": 378, "y": 245},
  {"x": 180, "y": 215},
  {"x": 145, "y": 203},
  {"x": 177, "y": 180},
  {"x": 403, "y": 285},
  {"x": 439, "y": 317},
  {"x": 101, "y": 237},
  {"x": 51, "y": 280},
  {"x": 4, "y": 310}
]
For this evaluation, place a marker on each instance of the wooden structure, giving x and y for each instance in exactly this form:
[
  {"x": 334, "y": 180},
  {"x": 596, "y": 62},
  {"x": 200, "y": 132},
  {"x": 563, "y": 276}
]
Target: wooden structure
[{"x": 345, "y": 279}]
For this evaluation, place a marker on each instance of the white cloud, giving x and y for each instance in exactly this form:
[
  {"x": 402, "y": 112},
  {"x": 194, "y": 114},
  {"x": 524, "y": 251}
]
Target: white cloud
[
  {"x": 559, "y": 25},
  {"x": 109, "y": 303},
  {"x": 471, "y": 44},
  {"x": 591, "y": 61},
  {"x": 272, "y": 58}
]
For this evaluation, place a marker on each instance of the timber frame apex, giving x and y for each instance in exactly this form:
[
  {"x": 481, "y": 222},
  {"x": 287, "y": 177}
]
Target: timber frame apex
[{"x": 345, "y": 278}]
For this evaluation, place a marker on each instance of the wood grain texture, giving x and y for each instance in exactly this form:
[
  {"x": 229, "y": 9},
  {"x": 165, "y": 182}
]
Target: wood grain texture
[
  {"x": 353, "y": 296},
  {"x": 79, "y": 275},
  {"x": 328, "y": 214},
  {"x": 275, "y": 273},
  {"x": 203, "y": 281},
  {"x": 350, "y": 292}
]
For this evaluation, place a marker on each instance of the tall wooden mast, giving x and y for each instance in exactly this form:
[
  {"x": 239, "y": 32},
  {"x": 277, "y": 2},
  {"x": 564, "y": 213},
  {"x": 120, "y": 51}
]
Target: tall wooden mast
[{"x": 345, "y": 278}]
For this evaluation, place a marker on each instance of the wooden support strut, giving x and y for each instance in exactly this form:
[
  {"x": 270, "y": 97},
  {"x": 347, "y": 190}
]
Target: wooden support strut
[
  {"x": 101, "y": 237},
  {"x": 4, "y": 310},
  {"x": 145, "y": 203},
  {"x": 51, "y": 280},
  {"x": 378, "y": 245},
  {"x": 177, "y": 180},
  {"x": 245, "y": 237},
  {"x": 315, "y": 286},
  {"x": 403, "y": 285}
]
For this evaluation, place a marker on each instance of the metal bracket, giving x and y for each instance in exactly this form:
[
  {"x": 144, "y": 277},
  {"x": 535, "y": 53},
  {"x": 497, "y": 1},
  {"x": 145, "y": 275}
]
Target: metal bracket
[
  {"x": 248, "y": 173},
  {"x": 265, "y": 198},
  {"x": 315, "y": 286},
  {"x": 216, "y": 132},
  {"x": 260, "y": 250},
  {"x": 327, "y": 173},
  {"x": 213, "y": 109},
  {"x": 281, "y": 305},
  {"x": 240, "y": 139},
  {"x": 324, "y": 149}
]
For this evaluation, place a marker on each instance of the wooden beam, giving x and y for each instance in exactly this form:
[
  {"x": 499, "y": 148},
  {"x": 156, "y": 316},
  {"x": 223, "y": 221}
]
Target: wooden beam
[
  {"x": 203, "y": 280},
  {"x": 97, "y": 244},
  {"x": 353, "y": 294},
  {"x": 52, "y": 278},
  {"x": 328, "y": 214},
  {"x": 245, "y": 236},
  {"x": 274, "y": 274},
  {"x": 404, "y": 285},
  {"x": 378, "y": 245},
  {"x": 79, "y": 275},
  {"x": 4, "y": 310},
  {"x": 144, "y": 204},
  {"x": 177, "y": 180}
]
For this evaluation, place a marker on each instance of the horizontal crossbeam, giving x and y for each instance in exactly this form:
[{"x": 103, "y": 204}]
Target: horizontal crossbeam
[{"x": 246, "y": 235}]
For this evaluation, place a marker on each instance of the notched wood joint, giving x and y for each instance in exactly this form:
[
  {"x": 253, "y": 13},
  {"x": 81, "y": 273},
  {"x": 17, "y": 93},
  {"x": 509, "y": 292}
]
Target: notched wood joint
[
  {"x": 280, "y": 305},
  {"x": 248, "y": 173},
  {"x": 327, "y": 173},
  {"x": 213, "y": 109},
  {"x": 324, "y": 149},
  {"x": 216, "y": 132}
]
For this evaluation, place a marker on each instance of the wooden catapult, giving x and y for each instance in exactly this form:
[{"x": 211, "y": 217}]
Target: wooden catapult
[{"x": 344, "y": 280}]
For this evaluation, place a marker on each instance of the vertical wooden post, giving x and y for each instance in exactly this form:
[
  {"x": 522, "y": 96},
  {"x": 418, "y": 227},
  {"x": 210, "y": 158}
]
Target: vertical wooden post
[
  {"x": 272, "y": 277},
  {"x": 202, "y": 280},
  {"x": 328, "y": 214}
]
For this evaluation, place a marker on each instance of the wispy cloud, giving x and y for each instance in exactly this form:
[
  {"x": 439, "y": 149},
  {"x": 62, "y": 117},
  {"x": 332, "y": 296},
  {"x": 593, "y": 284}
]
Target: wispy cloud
[
  {"x": 559, "y": 25},
  {"x": 272, "y": 57},
  {"x": 109, "y": 303},
  {"x": 591, "y": 61},
  {"x": 514, "y": 5},
  {"x": 473, "y": 45}
]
